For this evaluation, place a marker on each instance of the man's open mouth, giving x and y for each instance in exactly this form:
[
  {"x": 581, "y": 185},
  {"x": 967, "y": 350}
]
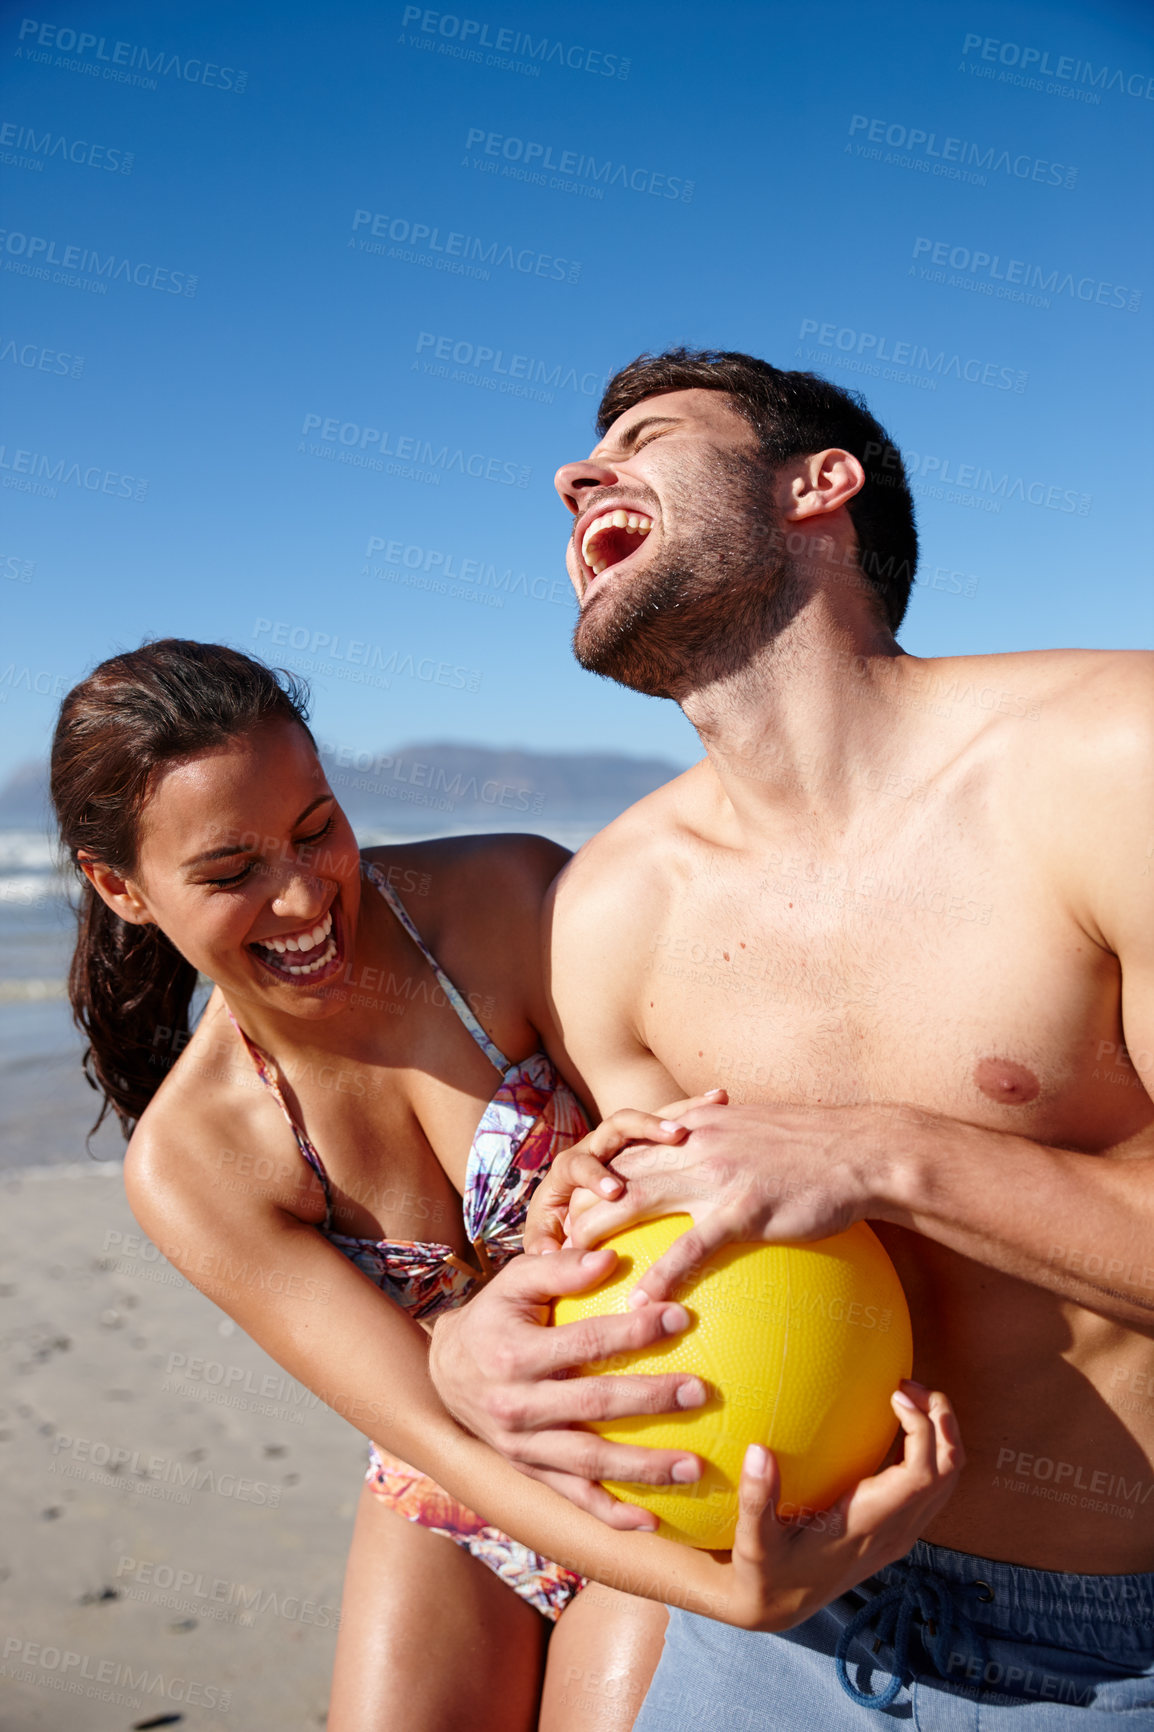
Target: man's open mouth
[
  {"x": 613, "y": 537},
  {"x": 302, "y": 956}
]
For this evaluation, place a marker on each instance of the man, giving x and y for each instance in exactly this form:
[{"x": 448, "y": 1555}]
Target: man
[{"x": 904, "y": 912}]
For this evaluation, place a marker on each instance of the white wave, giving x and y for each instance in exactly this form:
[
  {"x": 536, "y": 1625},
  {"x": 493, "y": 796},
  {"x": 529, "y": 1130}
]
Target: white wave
[
  {"x": 30, "y": 849},
  {"x": 21, "y": 991},
  {"x": 26, "y": 889}
]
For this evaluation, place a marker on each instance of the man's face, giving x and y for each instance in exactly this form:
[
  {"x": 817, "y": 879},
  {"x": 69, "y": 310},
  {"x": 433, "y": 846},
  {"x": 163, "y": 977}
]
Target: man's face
[{"x": 671, "y": 553}]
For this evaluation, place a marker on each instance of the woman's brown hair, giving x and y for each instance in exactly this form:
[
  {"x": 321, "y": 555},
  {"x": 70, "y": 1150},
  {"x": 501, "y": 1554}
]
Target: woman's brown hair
[{"x": 129, "y": 986}]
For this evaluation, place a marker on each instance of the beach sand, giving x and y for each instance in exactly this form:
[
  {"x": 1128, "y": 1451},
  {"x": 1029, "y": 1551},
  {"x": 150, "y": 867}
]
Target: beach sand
[{"x": 174, "y": 1510}]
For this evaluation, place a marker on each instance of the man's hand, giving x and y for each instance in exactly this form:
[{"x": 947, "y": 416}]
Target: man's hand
[
  {"x": 585, "y": 1165},
  {"x": 783, "y": 1571},
  {"x": 747, "y": 1174},
  {"x": 506, "y": 1378}
]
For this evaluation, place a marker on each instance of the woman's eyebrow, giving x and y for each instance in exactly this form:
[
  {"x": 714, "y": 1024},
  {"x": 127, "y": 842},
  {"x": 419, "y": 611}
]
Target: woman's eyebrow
[
  {"x": 319, "y": 801},
  {"x": 214, "y": 854},
  {"x": 230, "y": 848}
]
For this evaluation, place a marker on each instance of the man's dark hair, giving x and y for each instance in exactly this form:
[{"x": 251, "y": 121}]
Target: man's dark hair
[{"x": 792, "y": 414}]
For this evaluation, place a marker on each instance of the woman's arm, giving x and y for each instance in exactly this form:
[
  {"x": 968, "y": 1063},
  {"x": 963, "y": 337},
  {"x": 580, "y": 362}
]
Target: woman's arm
[{"x": 245, "y": 1246}]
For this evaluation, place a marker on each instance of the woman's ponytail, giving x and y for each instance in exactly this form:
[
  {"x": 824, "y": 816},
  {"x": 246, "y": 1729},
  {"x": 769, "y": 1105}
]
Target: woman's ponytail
[
  {"x": 129, "y": 986},
  {"x": 130, "y": 990}
]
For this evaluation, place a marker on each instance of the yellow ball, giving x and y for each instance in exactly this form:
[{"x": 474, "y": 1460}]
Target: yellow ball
[{"x": 800, "y": 1346}]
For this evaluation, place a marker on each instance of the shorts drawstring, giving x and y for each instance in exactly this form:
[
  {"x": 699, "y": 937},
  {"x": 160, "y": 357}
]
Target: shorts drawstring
[{"x": 890, "y": 1616}]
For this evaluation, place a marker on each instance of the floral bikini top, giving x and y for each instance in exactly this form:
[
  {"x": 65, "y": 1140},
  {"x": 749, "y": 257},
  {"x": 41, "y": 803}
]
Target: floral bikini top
[{"x": 532, "y": 1117}]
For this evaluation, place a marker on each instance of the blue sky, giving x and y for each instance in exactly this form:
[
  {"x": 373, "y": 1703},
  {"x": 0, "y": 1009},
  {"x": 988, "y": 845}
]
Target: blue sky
[{"x": 945, "y": 206}]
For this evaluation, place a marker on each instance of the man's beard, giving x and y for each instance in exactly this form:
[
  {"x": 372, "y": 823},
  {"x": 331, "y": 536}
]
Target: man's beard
[{"x": 708, "y": 605}]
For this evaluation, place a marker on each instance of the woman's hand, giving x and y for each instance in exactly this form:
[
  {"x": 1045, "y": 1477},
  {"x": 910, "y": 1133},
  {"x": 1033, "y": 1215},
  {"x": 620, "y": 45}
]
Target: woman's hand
[
  {"x": 584, "y": 1165},
  {"x": 781, "y": 1572}
]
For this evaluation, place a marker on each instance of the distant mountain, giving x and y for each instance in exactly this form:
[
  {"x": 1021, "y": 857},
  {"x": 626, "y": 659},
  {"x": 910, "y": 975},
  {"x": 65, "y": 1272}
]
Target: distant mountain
[
  {"x": 403, "y": 787},
  {"x": 479, "y": 782}
]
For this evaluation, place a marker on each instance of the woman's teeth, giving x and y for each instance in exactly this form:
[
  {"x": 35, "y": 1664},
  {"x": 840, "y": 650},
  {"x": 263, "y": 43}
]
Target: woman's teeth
[
  {"x": 631, "y": 521},
  {"x": 301, "y": 940},
  {"x": 330, "y": 951},
  {"x": 305, "y": 944}
]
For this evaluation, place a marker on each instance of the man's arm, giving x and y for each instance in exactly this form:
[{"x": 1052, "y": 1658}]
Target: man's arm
[{"x": 1081, "y": 1226}]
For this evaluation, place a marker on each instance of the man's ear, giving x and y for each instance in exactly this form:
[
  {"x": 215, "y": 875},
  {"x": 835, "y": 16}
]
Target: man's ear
[
  {"x": 824, "y": 482},
  {"x": 121, "y": 895}
]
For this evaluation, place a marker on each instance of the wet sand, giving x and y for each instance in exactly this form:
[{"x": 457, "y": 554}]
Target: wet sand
[{"x": 46, "y": 1107}]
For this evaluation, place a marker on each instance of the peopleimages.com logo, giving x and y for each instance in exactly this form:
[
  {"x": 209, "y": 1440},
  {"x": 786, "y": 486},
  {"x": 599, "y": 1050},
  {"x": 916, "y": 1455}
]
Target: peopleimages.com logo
[
  {"x": 1035, "y": 62},
  {"x": 125, "y": 61},
  {"x": 35, "y": 472},
  {"x": 364, "y": 663},
  {"x": 1017, "y": 279},
  {"x": 361, "y": 445},
  {"x": 575, "y": 164},
  {"x": 104, "y": 1679},
  {"x": 37, "y": 252},
  {"x": 188, "y": 1590},
  {"x": 434, "y": 569},
  {"x": 975, "y": 485},
  {"x": 462, "y": 254},
  {"x": 14, "y": 568},
  {"x": 956, "y": 158},
  {"x": 47, "y": 145},
  {"x": 40, "y": 359},
  {"x": 505, "y": 370},
  {"x": 873, "y": 347},
  {"x": 465, "y": 36}
]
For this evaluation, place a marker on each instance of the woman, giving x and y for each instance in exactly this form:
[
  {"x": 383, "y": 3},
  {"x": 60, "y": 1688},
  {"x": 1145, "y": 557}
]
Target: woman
[{"x": 356, "y": 1074}]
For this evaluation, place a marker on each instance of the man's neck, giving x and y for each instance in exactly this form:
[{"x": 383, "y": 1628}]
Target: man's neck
[{"x": 802, "y": 730}]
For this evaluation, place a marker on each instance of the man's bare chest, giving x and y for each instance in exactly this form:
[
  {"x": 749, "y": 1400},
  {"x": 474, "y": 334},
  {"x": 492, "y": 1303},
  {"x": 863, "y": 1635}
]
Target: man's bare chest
[{"x": 937, "y": 978}]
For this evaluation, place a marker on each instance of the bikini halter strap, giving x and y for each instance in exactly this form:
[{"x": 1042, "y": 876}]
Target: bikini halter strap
[
  {"x": 457, "y": 999},
  {"x": 269, "y": 1075}
]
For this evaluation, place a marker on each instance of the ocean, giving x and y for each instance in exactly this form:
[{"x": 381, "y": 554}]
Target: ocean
[{"x": 46, "y": 1106}]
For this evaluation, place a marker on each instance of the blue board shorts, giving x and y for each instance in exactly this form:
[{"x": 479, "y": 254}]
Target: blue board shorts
[{"x": 941, "y": 1640}]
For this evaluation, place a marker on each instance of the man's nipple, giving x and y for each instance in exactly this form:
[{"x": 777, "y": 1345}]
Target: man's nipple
[{"x": 1012, "y": 1085}]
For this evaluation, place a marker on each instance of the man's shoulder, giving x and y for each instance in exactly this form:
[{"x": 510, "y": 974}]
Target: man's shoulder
[
  {"x": 646, "y": 839},
  {"x": 1052, "y": 670},
  {"x": 1103, "y": 705},
  {"x": 618, "y": 886},
  {"x": 1058, "y": 688},
  {"x": 1087, "y": 793},
  {"x": 1118, "y": 683},
  {"x": 1070, "y": 767}
]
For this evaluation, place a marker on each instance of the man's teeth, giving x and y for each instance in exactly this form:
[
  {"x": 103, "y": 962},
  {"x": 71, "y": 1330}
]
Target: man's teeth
[
  {"x": 304, "y": 941},
  {"x": 631, "y": 521}
]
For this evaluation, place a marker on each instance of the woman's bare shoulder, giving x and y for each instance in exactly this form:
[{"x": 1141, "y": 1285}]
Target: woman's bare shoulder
[
  {"x": 207, "y": 1127},
  {"x": 454, "y": 886},
  {"x": 442, "y": 863},
  {"x": 477, "y": 902}
]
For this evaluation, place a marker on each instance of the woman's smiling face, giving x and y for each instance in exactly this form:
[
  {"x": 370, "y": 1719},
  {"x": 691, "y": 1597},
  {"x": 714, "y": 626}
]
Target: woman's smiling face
[{"x": 248, "y": 865}]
